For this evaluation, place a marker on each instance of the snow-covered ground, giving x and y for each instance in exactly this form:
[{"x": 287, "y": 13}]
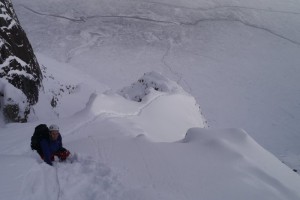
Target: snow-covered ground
[
  {"x": 239, "y": 59},
  {"x": 137, "y": 143},
  {"x": 128, "y": 80}
]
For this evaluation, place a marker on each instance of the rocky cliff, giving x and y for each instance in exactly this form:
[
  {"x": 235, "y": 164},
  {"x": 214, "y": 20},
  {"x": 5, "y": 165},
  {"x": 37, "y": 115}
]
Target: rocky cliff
[{"x": 20, "y": 74}]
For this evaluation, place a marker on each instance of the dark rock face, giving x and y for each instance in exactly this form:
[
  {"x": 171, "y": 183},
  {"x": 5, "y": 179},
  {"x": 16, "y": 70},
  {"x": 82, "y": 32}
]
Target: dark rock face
[{"x": 18, "y": 67}]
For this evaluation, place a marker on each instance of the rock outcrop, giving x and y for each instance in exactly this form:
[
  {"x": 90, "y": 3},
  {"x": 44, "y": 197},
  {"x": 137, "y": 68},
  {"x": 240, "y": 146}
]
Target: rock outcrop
[{"x": 20, "y": 74}]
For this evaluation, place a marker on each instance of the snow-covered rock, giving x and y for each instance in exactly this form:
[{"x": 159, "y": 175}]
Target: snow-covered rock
[
  {"x": 149, "y": 82},
  {"x": 19, "y": 69}
]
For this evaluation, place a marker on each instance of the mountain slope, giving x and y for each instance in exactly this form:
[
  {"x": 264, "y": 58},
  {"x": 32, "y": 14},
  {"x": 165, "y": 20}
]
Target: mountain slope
[
  {"x": 139, "y": 150},
  {"x": 148, "y": 140},
  {"x": 113, "y": 164},
  {"x": 239, "y": 59}
]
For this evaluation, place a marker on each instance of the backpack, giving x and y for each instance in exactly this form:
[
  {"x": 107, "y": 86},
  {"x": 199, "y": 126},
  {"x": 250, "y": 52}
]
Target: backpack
[{"x": 40, "y": 132}]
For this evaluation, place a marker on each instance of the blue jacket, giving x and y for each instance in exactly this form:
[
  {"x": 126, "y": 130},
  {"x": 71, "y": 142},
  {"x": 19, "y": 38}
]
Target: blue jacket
[{"x": 49, "y": 147}]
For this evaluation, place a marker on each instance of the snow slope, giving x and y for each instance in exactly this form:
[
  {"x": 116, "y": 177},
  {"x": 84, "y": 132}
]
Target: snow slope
[
  {"x": 213, "y": 164},
  {"x": 145, "y": 149},
  {"x": 147, "y": 140},
  {"x": 239, "y": 59}
]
